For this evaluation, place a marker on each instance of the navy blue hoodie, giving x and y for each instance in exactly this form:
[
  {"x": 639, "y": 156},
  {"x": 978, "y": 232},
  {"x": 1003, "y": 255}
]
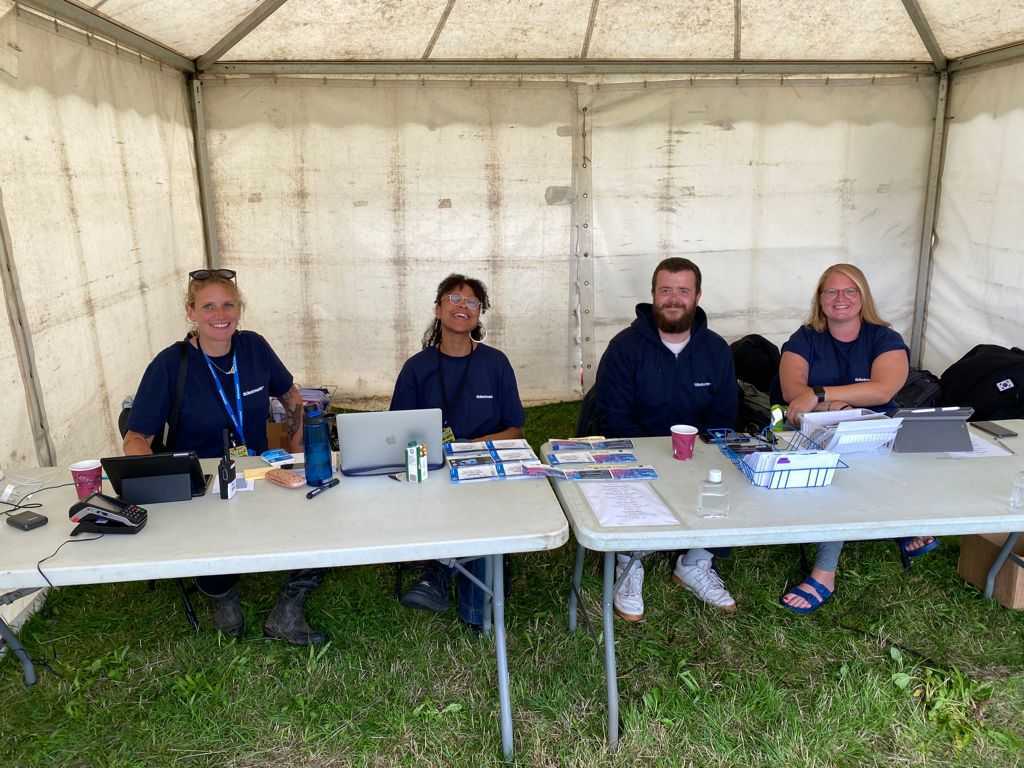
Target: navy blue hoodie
[{"x": 643, "y": 389}]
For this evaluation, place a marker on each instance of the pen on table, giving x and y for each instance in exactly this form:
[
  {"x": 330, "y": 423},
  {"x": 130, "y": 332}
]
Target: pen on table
[{"x": 317, "y": 491}]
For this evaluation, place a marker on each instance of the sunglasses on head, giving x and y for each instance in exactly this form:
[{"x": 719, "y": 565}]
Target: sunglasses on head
[{"x": 206, "y": 274}]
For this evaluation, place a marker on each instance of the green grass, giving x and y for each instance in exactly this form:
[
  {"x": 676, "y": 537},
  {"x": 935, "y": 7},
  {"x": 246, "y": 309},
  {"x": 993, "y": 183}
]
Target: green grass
[{"x": 900, "y": 669}]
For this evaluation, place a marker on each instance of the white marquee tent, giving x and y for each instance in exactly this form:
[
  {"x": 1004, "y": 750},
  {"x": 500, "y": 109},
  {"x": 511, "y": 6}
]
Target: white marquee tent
[{"x": 344, "y": 155}]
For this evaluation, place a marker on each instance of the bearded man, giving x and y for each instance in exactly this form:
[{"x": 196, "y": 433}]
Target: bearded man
[{"x": 668, "y": 368}]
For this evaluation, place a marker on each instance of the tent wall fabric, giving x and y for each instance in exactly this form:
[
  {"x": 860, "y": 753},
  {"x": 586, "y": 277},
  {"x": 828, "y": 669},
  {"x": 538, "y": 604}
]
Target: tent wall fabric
[
  {"x": 100, "y": 197},
  {"x": 763, "y": 186},
  {"x": 358, "y": 199},
  {"x": 978, "y": 260}
]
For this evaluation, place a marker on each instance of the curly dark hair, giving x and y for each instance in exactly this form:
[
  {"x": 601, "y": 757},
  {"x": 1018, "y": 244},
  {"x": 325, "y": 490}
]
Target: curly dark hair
[{"x": 432, "y": 337}]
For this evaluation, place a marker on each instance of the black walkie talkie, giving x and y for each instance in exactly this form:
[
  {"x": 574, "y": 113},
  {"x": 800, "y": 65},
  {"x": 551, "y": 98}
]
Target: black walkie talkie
[{"x": 226, "y": 469}]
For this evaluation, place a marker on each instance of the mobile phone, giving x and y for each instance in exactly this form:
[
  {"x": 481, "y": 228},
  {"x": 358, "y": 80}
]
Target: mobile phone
[
  {"x": 26, "y": 521},
  {"x": 996, "y": 430}
]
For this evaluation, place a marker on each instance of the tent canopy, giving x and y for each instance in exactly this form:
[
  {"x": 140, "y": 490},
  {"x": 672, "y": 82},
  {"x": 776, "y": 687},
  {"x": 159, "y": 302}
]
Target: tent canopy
[{"x": 546, "y": 30}]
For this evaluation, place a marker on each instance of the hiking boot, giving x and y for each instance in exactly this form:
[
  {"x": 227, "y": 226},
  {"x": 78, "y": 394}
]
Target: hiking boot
[
  {"x": 703, "y": 580},
  {"x": 430, "y": 592},
  {"x": 287, "y": 621},
  {"x": 227, "y": 613},
  {"x": 628, "y": 600}
]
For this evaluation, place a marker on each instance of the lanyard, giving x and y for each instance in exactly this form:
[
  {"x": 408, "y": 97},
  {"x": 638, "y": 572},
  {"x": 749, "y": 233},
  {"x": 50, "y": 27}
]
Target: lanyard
[
  {"x": 446, "y": 411},
  {"x": 237, "y": 419}
]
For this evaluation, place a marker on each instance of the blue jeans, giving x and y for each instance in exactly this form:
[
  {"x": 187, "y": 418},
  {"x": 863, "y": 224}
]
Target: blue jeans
[{"x": 471, "y": 597}]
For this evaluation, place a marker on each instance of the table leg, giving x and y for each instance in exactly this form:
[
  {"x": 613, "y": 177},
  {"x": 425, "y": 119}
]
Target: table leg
[
  {"x": 11, "y": 639},
  {"x": 574, "y": 591},
  {"x": 488, "y": 594},
  {"x": 1001, "y": 558},
  {"x": 609, "y": 651},
  {"x": 500, "y": 652}
]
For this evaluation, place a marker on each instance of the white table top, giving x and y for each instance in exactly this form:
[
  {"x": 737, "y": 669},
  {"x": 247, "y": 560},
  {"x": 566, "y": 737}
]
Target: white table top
[
  {"x": 361, "y": 521},
  {"x": 878, "y": 497}
]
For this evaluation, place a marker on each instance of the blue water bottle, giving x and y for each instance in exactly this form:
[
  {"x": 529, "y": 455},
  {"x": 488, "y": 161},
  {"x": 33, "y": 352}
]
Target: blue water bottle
[{"x": 317, "y": 445}]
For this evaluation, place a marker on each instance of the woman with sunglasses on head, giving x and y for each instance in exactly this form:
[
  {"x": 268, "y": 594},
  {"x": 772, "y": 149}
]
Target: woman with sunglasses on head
[
  {"x": 475, "y": 388},
  {"x": 844, "y": 356},
  {"x": 230, "y": 376}
]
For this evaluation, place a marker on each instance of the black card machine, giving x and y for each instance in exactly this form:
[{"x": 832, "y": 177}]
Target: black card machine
[{"x": 103, "y": 514}]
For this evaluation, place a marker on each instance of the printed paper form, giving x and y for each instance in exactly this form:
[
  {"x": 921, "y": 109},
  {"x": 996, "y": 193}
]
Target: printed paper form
[
  {"x": 980, "y": 449},
  {"x": 619, "y": 504}
]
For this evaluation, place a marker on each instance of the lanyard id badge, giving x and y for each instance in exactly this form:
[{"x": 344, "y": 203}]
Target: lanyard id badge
[
  {"x": 447, "y": 435},
  {"x": 236, "y": 414}
]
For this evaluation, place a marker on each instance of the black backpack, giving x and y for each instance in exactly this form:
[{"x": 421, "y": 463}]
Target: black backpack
[
  {"x": 161, "y": 443},
  {"x": 989, "y": 379},
  {"x": 922, "y": 390},
  {"x": 756, "y": 360}
]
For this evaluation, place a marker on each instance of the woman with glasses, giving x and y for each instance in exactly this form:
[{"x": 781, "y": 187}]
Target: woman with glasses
[
  {"x": 844, "y": 356},
  {"x": 230, "y": 376},
  {"x": 475, "y": 388}
]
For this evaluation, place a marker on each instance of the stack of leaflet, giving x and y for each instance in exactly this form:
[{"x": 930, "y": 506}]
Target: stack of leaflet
[
  {"x": 791, "y": 469},
  {"x": 596, "y": 459},
  {"x": 492, "y": 460},
  {"x": 854, "y": 430}
]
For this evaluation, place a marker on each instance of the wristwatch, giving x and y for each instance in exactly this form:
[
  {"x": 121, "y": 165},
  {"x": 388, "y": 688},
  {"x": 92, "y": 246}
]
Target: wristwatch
[{"x": 819, "y": 393}]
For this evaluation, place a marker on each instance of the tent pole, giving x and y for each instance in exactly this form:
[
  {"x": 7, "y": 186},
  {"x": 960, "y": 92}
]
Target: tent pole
[
  {"x": 195, "y": 91},
  {"x": 924, "y": 260},
  {"x": 91, "y": 21},
  {"x": 583, "y": 242},
  {"x": 256, "y": 17},
  {"x": 1008, "y": 53},
  {"x": 46, "y": 456},
  {"x": 924, "y": 31},
  {"x": 515, "y": 67}
]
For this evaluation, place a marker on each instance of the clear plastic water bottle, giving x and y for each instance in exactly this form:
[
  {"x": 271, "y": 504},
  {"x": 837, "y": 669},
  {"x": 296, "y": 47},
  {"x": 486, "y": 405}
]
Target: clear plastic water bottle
[
  {"x": 1017, "y": 494},
  {"x": 714, "y": 496},
  {"x": 317, "y": 446}
]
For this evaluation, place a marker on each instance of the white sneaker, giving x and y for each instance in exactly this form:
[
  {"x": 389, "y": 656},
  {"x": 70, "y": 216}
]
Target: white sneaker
[
  {"x": 705, "y": 583},
  {"x": 629, "y": 599}
]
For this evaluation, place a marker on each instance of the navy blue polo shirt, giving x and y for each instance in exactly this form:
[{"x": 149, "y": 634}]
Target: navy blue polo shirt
[
  {"x": 203, "y": 416},
  {"x": 833, "y": 363},
  {"x": 482, "y": 394}
]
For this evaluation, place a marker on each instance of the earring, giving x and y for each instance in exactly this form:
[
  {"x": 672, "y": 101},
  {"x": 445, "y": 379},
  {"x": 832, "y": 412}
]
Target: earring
[{"x": 481, "y": 332}]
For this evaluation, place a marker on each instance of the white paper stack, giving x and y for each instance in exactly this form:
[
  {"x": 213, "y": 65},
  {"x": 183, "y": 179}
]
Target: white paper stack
[
  {"x": 855, "y": 430},
  {"x": 792, "y": 469}
]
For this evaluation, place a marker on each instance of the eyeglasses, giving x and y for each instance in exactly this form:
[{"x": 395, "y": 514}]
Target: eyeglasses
[
  {"x": 206, "y": 274},
  {"x": 457, "y": 298},
  {"x": 831, "y": 293}
]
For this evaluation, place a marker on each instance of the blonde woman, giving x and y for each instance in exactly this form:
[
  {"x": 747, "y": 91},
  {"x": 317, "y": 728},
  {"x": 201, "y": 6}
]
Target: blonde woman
[
  {"x": 845, "y": 355},
  {"x": 230, "y": 377}
]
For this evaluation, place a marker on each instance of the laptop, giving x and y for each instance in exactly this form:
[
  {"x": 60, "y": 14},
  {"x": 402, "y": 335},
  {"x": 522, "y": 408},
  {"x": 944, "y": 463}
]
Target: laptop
[
  {"x": 156, "y": 478},
  {"x": 374, "y": 443},
  {"x": 928, "y": 430}
]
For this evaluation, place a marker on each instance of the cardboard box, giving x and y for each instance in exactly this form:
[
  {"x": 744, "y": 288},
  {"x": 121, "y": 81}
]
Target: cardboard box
[
  {"x": 277, "y": 435},
  {"x": 977, "y": 553}
]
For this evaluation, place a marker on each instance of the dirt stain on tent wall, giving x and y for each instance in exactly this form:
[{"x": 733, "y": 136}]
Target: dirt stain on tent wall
[
  {"x": 100, "y": 399},
  {"x": 496, "y": 260},
  {"x": 133, "y": 230},
  {"x": 311, "y": 337},
  {"x": 399, "y": 258},
  {"x": 665, "y": 198}
]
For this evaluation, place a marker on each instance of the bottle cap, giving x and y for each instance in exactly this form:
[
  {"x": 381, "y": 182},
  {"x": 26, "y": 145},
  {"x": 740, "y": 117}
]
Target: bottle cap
[{"x": 714, "y": 475}]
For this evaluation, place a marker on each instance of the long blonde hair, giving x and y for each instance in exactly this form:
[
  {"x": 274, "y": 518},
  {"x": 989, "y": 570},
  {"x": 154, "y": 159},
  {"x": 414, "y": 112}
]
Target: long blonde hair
[{"x": 868, "y": 311}]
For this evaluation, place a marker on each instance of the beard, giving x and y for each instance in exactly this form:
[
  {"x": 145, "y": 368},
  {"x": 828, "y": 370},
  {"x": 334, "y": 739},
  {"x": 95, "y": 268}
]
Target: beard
[{"x": 680, "y": 325}]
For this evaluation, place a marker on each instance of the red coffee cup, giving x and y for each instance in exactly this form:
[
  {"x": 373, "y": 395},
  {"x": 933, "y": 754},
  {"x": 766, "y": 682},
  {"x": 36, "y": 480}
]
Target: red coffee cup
[
  {"x": 88, "y": 477},
  {"x": 683, "y": 438}
]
